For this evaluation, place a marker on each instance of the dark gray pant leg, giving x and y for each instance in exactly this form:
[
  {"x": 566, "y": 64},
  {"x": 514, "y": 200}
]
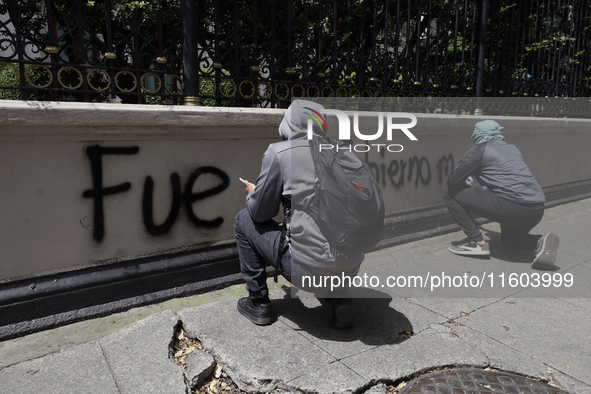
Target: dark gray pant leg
[
  {"x": 516, "y": 219},
  {"x": 258, "y": 245},
  {"x": 460, "y": 204}
]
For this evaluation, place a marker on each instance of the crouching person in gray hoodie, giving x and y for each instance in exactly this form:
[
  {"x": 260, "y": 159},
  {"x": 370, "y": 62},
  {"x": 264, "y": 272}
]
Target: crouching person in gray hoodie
[
  {"x": 507, "y": 193},
  {"x": 300, "y": 250}
]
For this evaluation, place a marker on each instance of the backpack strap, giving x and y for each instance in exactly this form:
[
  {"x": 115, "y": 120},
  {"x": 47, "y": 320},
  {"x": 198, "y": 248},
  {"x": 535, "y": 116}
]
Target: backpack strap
[{"x": 278, "y": 267}]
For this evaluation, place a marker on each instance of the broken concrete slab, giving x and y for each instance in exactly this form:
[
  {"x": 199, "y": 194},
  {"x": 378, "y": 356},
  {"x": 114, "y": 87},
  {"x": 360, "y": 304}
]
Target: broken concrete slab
[
  {"x": 256, "y": 358},
  {"x": 139, "y": 356},
  {"x": 80, "y": 369},
  {"x": 200, "y": 366}
]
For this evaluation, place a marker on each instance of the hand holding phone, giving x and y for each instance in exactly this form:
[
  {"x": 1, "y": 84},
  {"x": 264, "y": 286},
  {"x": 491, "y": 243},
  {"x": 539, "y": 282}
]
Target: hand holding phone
[{"x": 249, "y": 186}]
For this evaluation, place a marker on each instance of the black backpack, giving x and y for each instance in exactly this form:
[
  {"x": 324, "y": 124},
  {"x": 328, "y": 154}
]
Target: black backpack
[{"x": 348, "y": 206}]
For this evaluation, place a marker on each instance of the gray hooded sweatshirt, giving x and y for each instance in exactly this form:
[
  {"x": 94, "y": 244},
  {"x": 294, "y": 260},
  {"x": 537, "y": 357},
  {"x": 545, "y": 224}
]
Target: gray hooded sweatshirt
[{"x": 287, "y": 175}]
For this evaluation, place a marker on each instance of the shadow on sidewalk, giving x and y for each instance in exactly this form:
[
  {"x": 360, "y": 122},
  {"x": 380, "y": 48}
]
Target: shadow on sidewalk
[{"x": 376, "y": 322}]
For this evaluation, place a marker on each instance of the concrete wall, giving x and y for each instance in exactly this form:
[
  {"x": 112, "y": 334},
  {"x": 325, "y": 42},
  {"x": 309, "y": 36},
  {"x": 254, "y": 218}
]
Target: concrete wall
[
  {"x": 555, "y": 150},
  {"x": 59, "y": 162}
]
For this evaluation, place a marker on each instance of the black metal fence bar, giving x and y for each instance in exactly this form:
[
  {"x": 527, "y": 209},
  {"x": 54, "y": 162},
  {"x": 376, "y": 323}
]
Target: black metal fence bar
[
  {"x": 480, "y": 74},
  {"x": 265, "y": 52},
  {"x": 190, "y": 52}
]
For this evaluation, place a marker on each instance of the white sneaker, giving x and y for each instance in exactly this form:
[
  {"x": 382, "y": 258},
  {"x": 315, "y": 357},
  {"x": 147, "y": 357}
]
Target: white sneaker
[
  {"x": 547, "y": 248},
  {"x": 470, "y": 248}
]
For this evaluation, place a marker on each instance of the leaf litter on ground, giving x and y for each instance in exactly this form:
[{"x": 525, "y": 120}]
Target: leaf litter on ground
[{"x": 219, "y": 382}]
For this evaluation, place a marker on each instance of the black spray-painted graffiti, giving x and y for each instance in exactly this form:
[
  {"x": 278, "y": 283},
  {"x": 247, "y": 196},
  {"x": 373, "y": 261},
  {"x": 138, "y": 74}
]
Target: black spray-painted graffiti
[
  {"x": 444, "y": 166},
  {"x": 395, "y": 171},
  {"x": 98, "y": 192}
]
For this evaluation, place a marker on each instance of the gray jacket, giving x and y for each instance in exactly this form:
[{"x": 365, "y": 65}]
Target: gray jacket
[
  {"x": 500, "y": 167},
  {"x": 287, "y": 175}
]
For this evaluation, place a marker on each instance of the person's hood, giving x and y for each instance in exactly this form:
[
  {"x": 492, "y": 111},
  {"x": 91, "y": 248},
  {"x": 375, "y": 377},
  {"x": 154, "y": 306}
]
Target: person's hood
[
  {"x": 487, "y": 130},
  {"x": 295, "y": 122}
]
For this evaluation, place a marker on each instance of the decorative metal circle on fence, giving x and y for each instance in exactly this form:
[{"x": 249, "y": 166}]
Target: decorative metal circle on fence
[
  {"x": 107, "y": 78},
  {"x": 72, "y": 70},
  {"x": 29, "y": 79},
  {"x": 156, "y": 80}
]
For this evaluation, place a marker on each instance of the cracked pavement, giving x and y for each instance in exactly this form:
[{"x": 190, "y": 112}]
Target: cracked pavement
[{"x": 541, "y": 332}]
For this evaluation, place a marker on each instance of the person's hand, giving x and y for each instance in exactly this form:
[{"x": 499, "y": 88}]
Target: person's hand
[
  {"x": 468, "y": 183},
  {"x": 249, "y": 187}
]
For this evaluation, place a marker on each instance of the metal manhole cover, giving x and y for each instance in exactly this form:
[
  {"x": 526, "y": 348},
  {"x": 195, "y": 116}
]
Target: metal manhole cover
[{"x": 476, "y": 381}]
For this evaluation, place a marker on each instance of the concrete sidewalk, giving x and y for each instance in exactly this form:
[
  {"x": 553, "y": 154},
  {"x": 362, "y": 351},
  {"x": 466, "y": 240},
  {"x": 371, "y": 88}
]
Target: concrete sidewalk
[{"x": 541, "y": 332}]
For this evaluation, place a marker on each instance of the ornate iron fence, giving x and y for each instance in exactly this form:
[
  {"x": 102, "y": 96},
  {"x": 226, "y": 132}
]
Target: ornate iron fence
[
  {"x": 264, "y": 52},
  {"x": 91, "y": 50}
]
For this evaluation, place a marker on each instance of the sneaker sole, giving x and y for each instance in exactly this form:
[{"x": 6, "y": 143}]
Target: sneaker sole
[
  {"x": 469, "y": 252},
  {"x": 344, "y": 317},
  {"x": 260, "y": 321},
  {"x": 547, "y": 256}
]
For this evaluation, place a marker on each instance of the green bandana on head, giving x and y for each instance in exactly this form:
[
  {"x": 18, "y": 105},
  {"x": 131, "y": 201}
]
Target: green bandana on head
[{"x": 487, "y": 130}]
